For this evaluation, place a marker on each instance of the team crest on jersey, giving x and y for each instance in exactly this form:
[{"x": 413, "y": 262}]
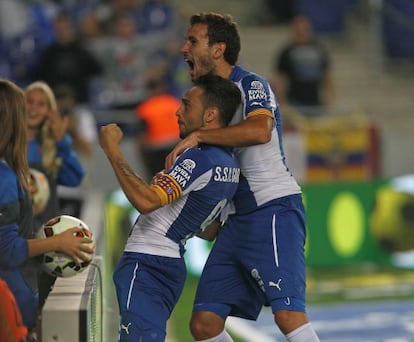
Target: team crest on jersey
[
  {"x": 188, "y": 164},
  {"x": 257, "y": 92}
]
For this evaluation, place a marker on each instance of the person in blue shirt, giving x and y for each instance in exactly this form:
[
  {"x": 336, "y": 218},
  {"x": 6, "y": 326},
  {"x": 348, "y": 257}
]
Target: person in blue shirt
[
  {"x": 49, "y": 150},
  {"x": 18, "y": 267},
  {"x": 181, "y": 202}
]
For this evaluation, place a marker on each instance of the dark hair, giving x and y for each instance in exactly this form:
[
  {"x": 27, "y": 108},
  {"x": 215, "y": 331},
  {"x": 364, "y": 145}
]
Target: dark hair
[
  {"x": 221, "y": 93},
  {"x": 63, "y": 91},
  {"x": 221, "y": 29}
]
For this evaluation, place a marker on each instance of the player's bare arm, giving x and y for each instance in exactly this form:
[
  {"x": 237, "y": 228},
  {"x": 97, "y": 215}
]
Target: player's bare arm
[
  {"x": 141, "y": 195},
  {"x": 255, "y": 130}
]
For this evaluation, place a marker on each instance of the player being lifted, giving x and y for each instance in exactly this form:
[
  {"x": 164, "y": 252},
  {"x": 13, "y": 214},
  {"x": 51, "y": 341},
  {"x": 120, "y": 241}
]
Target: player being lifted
[{"x": 181, "y": 202}]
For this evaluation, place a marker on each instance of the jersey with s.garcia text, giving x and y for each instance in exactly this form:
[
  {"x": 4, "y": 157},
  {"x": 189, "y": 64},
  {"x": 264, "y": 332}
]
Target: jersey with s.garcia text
[
  {"x": 193, "y": 193},
  {"x": 265, "y": 175}
]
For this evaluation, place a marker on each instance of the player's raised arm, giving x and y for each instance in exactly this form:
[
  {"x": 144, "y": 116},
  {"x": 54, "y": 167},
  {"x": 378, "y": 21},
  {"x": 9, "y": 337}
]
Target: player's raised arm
[{"x": 141, "y": 195}]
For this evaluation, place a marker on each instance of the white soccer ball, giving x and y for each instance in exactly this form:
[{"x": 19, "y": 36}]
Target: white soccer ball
[
  {"x": 59, "y": 264},
  {"x": 39, "y": 188}
]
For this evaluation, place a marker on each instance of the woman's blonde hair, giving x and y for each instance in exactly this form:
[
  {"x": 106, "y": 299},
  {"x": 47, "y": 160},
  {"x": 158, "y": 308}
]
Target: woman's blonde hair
[
  {"x": 13, "y": 128},
  {"x": 50, "y": 160},
  {"x": 44, "y": 87}
]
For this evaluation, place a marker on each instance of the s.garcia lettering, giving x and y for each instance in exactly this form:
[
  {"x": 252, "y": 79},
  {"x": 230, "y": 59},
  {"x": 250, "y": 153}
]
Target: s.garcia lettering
[{"x": 227, "y": 174}]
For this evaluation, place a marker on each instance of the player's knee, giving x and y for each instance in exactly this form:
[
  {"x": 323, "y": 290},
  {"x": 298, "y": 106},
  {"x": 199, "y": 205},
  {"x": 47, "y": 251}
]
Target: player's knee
[
  {"x": 204, "y": 325},
  {"x": 288, "y": 321}
]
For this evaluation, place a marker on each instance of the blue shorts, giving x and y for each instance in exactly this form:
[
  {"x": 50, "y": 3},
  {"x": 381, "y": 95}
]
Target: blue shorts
[
  {"x": 258, "y": 259},
  {"x": 147, "y": 288}
]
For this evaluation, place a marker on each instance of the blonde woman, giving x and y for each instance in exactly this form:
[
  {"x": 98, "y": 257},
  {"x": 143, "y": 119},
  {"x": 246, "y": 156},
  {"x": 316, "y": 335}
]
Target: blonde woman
[
  {"x": 49, "y": 150},
  {"x": 17, "y": 246}
]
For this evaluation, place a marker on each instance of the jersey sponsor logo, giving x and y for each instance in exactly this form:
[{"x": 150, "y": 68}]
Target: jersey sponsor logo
[
  {"x": 181, "y": 174},
  {"x": 257, "y": 92},
  {"x": 227, "y": 174}
]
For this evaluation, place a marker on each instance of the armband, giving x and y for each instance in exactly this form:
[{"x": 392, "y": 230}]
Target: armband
[{"x": 167, "y": 189}]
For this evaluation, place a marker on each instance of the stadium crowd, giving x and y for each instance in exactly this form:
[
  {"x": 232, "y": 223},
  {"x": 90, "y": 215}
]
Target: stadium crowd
[{"x": 106, "y": 50}]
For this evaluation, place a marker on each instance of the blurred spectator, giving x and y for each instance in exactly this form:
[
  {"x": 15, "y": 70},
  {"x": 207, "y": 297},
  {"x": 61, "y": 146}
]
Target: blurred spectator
[
  {"x": 160, "y": 21},
  {"x": 279, "y": 11},
  {"x": 327, "y": 17},
  {"x": 110, "y": 11},
  {"x": 24, "y": 30},
  {"x": 14, "y": 18},
  {"x": 150, "y": 16},
  {"x": 302, "y": 71},
  {"x": 129, "y": 60},
  {"x": 90, "y": 27},
  {"x": 82, "y": 127},
  {"x": 156, "y": 16},
  {"x": 82, "y": 124},
  {"x": 67, "y": 61},
  {"x": 159, "y": 128}
]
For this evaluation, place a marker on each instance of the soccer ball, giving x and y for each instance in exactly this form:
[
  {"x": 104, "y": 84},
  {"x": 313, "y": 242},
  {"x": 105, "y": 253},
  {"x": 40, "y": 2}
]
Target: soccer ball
[
  {"x": 39, "y": 189},
  {"x": 59, "y": 264}
]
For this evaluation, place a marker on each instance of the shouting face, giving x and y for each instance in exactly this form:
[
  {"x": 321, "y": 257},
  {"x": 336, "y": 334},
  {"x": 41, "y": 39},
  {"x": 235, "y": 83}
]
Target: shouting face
[{"x": 197, "y": 52}]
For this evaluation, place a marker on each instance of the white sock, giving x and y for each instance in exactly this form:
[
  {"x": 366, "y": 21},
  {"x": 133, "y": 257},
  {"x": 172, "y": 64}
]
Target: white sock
[
  {"x": 223, "y": 337},
  {"x": 305, "y": 333}
]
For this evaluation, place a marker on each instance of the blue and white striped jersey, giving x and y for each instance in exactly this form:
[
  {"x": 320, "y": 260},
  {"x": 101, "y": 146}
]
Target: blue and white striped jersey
[
  {"x": 195, "y": 190},
  {"x": 264, "y": 173}
]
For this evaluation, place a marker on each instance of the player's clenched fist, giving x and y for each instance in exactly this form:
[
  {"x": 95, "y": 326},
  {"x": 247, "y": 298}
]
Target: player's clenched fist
[{"x": 110, "y": 137}]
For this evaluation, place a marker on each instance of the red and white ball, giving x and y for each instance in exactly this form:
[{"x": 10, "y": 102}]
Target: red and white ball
[
  {"x": 39, "y": 188},
  {"x": 56, "y": 263}
]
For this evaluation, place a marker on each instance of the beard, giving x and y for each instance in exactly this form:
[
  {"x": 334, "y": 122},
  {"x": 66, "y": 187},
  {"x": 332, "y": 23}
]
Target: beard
[{"x": 205, "y": 65}]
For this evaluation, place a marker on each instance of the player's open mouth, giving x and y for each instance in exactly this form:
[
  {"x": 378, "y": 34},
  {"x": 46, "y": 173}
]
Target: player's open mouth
[{"x": 190, "y": 64}]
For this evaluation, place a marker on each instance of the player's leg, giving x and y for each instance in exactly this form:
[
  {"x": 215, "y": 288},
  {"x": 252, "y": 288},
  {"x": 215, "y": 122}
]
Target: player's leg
[
  {"x": 286, "y": 291},
  {"x": 305, "y": 333},
  {"x": 129, "y": 324},
  {"x": 224, "y": 289},
  {"x": 148, "y": 288},
  {"x": 208, "y": 326}
]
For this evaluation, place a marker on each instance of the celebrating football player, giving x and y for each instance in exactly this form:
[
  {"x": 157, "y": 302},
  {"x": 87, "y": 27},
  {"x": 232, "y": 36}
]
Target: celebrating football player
[{"x": 183, "y": 201}]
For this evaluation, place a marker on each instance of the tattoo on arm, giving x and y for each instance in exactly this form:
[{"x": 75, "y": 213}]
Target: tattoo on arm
[
  {"x": 127, "y": 171},
  {"x": 125, "y": 168}
]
